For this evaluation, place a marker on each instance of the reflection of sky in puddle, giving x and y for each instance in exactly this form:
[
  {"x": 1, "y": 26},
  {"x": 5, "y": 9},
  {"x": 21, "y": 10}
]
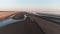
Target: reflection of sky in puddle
[
  {"x": 50, "y": 12},
  {"x": 9, "y": 21}
]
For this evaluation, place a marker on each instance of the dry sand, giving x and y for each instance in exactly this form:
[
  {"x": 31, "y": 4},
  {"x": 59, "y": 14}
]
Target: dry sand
[{"x": 5, "y": 14}]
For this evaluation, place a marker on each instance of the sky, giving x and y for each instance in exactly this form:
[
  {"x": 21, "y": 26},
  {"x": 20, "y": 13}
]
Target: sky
[{"x": 30, "y": 5}]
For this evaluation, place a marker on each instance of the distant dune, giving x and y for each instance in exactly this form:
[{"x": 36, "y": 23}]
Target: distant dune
[{"x": 5, "y": 14}]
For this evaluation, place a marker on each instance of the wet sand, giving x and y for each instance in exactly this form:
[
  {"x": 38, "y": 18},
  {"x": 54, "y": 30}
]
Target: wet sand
[
  {"x": 25, "y": 27},
  {"x": 32, "y": 25}
]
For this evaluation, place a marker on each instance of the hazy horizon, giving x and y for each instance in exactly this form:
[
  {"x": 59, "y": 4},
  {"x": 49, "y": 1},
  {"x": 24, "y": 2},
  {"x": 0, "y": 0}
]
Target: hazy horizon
[{"x": 30, "y": 5}]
